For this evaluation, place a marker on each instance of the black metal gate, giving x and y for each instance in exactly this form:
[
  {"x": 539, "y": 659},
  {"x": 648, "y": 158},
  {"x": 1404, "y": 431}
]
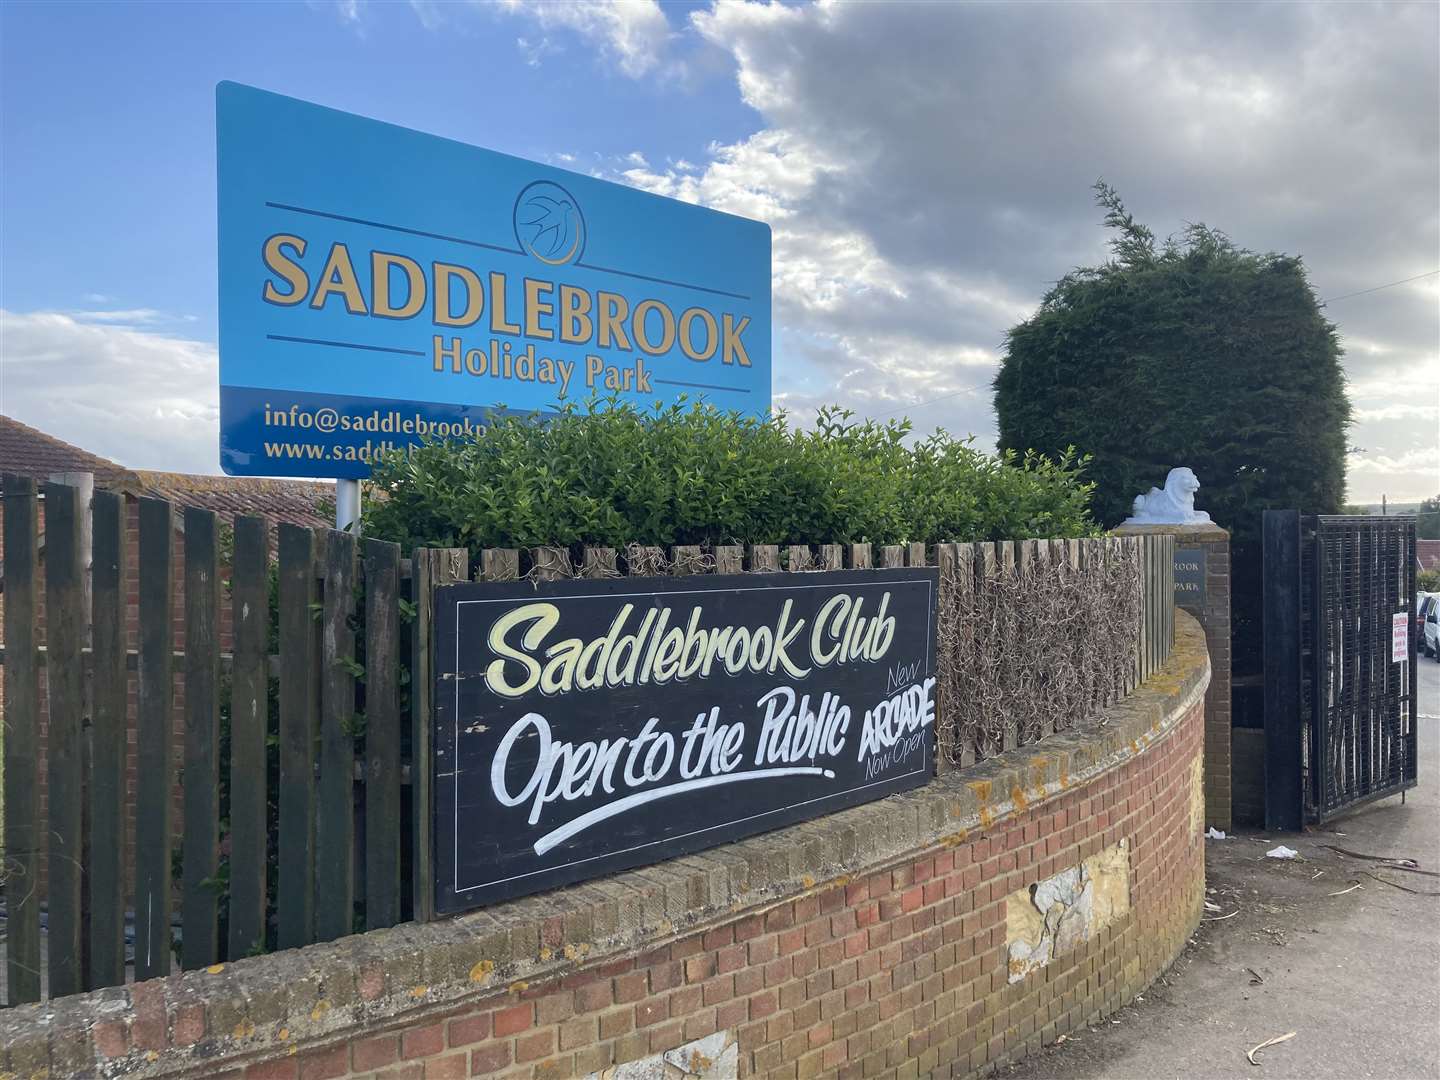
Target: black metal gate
[{"x": 1340, "y": 702}]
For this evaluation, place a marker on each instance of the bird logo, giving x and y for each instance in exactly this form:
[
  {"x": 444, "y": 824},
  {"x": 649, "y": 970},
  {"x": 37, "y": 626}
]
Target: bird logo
[{"x": 548, "y": 223}]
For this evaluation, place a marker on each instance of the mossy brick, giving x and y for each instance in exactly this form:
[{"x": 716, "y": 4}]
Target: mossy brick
[
  {"x": 651, "y": 894},
  {"x": 718, "y": 885},
  {"x": 686, "y": 894}
]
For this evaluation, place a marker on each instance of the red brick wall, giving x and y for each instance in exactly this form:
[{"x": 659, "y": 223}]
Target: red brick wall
[
  {"x": 904, "y": 970},
  {"x": 899, "y": 972}
]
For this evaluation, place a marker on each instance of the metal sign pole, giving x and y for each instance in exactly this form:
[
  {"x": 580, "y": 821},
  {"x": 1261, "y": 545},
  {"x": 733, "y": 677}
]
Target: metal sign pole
[{"x": 347, "y": 505}]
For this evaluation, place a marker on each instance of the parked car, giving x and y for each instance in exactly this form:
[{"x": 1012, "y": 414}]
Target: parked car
[
  {"x": 1424, "y": 601},
  {"x": 1431, "y": 641}
]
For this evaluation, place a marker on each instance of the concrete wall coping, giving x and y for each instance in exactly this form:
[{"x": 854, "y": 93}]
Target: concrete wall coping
[
  {"x": 245, "y": 1010},
  {"x": 1204, "y": 532}
]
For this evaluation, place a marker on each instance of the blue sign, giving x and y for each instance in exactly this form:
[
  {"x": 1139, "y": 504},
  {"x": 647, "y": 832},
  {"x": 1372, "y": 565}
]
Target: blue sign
[{"x": 379, "y": 284}]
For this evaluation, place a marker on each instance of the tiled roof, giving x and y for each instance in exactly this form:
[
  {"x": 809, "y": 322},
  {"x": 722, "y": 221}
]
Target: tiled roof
[
  {"x": 1427, "y": 552},
  {"x": 295, "y": 501},
  {"x": 27, "y": 451}
]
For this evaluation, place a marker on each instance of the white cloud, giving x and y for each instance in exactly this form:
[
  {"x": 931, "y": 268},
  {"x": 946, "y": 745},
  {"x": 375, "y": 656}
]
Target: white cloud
[
  {"x": 926, "y": 173},
  {"x": 129, "y": 317},
  {"x": 350, "y": 14},
  {"x": 1416, "y": 460},
  {"x": 144, "y": 399},
  {"x": 536, "y": 50},
  {"x": 1402, "y": 411},
  {"x": 634, "y": 33}
]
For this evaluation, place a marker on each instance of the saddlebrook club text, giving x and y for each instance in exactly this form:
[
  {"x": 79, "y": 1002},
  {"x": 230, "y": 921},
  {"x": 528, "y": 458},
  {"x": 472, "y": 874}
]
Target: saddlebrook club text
[{"x": 634, "y": 710}]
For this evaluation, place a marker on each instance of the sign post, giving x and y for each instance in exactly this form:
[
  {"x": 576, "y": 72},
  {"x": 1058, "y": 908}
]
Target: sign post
[
  {"x": 380, "y": 286},
  {"x": 347, "y": 503}
]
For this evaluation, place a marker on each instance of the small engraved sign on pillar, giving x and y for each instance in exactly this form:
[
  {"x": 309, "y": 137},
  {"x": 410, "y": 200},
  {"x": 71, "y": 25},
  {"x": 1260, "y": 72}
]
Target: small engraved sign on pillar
[{"x": 1190, "y": 578}]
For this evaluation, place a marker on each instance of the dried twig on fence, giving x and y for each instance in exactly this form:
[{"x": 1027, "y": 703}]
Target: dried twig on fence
[{"x": 1015, "y": 651}]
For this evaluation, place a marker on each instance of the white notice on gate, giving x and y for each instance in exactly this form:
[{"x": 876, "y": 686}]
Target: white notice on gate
[{"x": 1399, "y": 637}]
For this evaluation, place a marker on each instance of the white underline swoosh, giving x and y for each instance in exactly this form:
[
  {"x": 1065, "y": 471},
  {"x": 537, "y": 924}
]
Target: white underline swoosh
[{"x": 640, "y": 798}]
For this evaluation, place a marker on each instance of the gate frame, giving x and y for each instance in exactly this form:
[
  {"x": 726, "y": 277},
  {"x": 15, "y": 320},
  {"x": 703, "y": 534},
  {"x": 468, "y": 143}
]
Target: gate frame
[{"x": 1295, "y": 761}]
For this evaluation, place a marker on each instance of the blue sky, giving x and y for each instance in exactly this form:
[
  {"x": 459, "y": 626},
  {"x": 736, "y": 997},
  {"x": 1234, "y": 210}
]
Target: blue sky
[
  {"x": 122, "y": 204},
  {"x": 925, "y": 168}
]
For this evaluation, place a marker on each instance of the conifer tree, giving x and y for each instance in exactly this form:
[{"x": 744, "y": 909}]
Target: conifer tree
[{"x": 1192, "y": 352}]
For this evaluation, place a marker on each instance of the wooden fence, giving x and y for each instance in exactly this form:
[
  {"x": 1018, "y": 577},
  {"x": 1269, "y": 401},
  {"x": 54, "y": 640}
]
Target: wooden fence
[{"x": 303, "y": 815}]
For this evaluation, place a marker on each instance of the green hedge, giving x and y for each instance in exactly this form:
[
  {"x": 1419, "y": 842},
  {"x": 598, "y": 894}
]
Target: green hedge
[{"x": 609, "y": 474}]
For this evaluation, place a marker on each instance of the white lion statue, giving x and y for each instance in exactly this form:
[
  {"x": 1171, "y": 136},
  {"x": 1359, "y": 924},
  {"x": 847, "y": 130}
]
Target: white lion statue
[{"x": 1173, "y": 506}]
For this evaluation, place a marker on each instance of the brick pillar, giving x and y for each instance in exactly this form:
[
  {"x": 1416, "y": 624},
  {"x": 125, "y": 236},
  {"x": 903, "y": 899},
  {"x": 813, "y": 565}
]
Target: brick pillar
[{"x": 1202, "y": 587}]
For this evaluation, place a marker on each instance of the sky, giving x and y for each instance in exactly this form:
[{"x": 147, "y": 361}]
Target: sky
[{"x": 926, "y": 170}]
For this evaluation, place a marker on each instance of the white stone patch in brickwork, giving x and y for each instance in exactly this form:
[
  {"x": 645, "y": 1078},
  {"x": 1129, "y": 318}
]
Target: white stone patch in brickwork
[
  {"x": 1197, "y": 796},
  {"x": 1052, "y": 919},
  {"x": 715, "y": 1057}
]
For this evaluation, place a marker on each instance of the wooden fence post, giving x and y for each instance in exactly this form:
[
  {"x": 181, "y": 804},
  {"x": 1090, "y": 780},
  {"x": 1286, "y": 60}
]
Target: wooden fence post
[
  {"x": 22, "y": 739},
  {"x": 299, "y": 701},
  {"x": 963, "y": 655},
  {"x": 153, "y": 737},
  {"x": 764, "y": 558},
  {"x": 249, "y": 732},
  {"x": 199, "y": 907},
  {"x": 108, "y": 740},
  {"x": 382, "y": 734},
  {"x": 64, "y": 637},
  {"x": 498, "y": 564},
  {"x": 432, "y": 567},
  {"x": 597, "y": 562},
  {"x": 335, "y": 821},
  {"x": 945, "y": 559},
  {"x": 729, "y": 559},
  {"x": 1006, "y": 570}
]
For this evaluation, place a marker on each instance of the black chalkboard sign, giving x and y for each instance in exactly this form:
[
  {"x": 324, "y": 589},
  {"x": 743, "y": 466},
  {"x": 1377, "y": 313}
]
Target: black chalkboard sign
[{"x": 584, "y": 727}]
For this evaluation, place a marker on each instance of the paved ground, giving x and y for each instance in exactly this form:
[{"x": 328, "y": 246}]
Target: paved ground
[{"x": 1356, "y": 977}]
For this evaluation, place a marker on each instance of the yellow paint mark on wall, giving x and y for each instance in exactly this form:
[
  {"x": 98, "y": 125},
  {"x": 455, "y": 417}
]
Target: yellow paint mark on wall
[
  {"x": 1039, "y": 766},
  {"x": 481, "y": 971},
  {"x": 283, "y": 1034},
  {"x": 244, "y": 1029},
  {"x": 419, "y": 991},
  {"x": 321, "y": 1008},
  {"x": 215, "y": 969},
  {"x": 576, "y": 952},
  {"x": 545, "y": 953},
  {"x": 1017, "y": 796},
  {"x": 518, "y": 986}
]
